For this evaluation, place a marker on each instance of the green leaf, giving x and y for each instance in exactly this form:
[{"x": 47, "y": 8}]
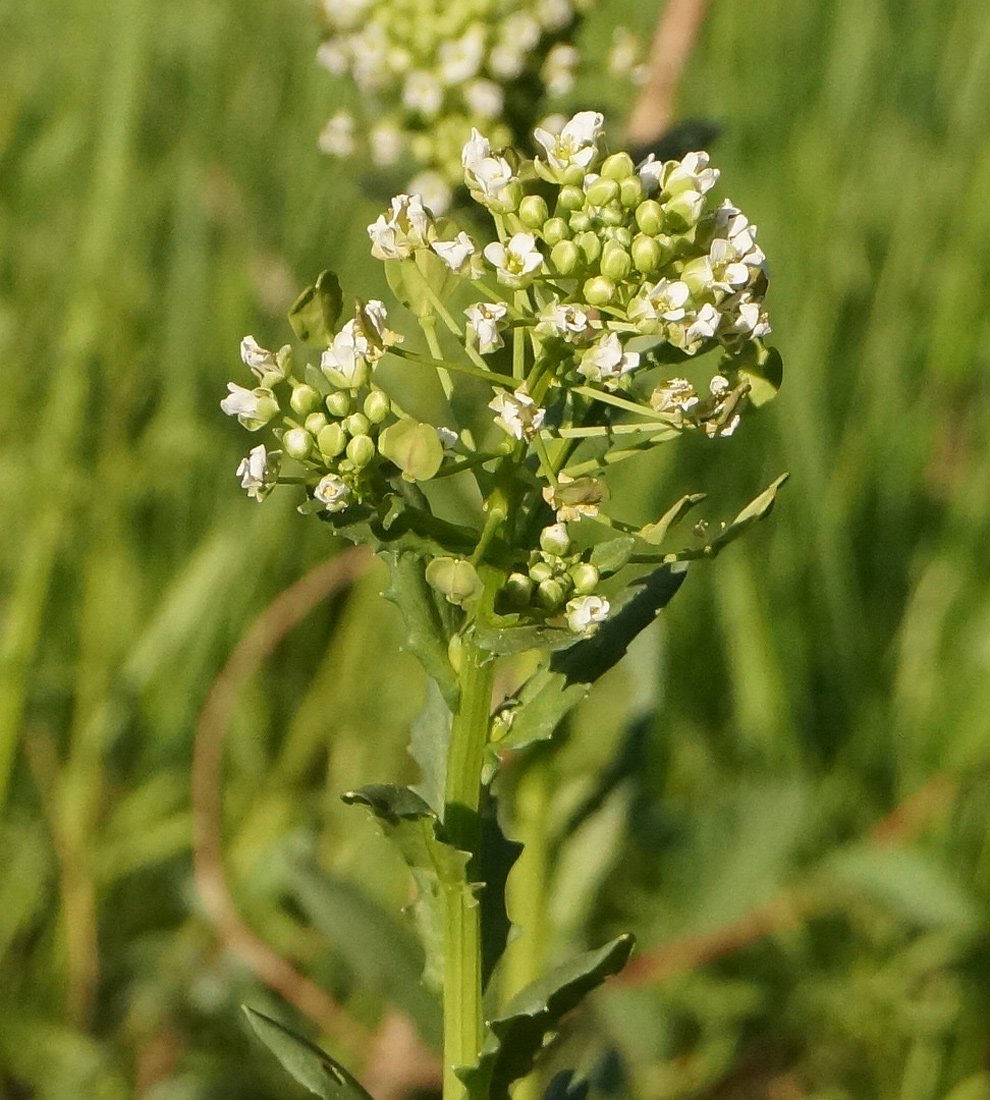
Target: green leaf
[
  {"x": 655, "y": 533},
  {"x": 427, "y": 633},
  {"x": 379, "y": 947},
  {"x": 429, "y": 743},
  {"x": 414, "y": 447},
  {"x": 609, "y": 557},
  {"x": 308, "y": 1064},
  {"x": 436, "y": 866},
  {"x": 558, "y": 686},
  {"x": 757, "y": 509},
  {"x": 315, "y": 313},
  {"x": 516, "y": 1037},
  {"x": 763, "y": 369}
]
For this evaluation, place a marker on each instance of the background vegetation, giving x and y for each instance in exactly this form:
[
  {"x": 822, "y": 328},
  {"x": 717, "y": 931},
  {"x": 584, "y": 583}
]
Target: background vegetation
[{"x": 799, "y": 837}]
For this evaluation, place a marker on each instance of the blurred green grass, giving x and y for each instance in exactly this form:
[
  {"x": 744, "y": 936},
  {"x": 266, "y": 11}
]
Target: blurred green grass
[{"x": 161, "y": 194}]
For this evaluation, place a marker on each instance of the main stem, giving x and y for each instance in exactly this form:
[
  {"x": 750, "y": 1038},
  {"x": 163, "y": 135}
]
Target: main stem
[{"x": 463, "y": 1023}]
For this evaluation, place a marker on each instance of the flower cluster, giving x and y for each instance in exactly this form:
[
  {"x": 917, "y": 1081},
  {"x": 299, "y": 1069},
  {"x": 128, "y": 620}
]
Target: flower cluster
[
  {"x": 604, "y": 276},
  {"x": 426, "y": 72}
]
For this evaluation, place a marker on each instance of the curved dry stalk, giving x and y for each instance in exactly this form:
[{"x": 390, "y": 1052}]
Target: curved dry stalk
[
  {"x": 790, "y": 907},
  {"x": 259, "y": 641},
  {"x": 673, "y": 43}
]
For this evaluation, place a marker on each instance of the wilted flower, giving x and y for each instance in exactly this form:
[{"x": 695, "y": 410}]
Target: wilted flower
[
  {"x": 259, "y": 471},
  {"x": 517, "y": 413},
  {"x": 333, "y": 492},
  {"x": 606, "y": 362},
  {"x": 584, "y": 613},
  {"x": 253, "y": 408},
  {"x": 483, "y": 325}
]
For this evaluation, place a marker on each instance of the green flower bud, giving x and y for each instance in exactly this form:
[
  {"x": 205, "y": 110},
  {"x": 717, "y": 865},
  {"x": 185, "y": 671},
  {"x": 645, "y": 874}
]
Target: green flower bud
[
  {"x": 377, "y": 406},
  {"x": 590, "y": 246},
  {"x": 570, "y": 198},
  {"x": 622, "y": 235},
  {"x": 361, "y": 450},
  {"x": 356, "y": 424},
  {"x": 339, "y": 403},
  {"x": 555, "y": 540},
  {"x": 331, "y": 440},
  {"x": 455, "y": 579},
  {"x": 315, "y": 423},
  {"x": 631, "y": 192},
  {"x": 297, "y": 443},
  {"x": 616, "y": 261},
  {"x": 684, "y": 210},
  {"x": 579, "y": 221},
  {"x": 304, "y": 400},
  {"x": 540, "y": 571},
  {"x": 555, "y": 230},
  {"x": 599, "y": 291},
  {"x": 533, "y": 211},
  {"x": 613, "y": 214},
  {"x": 618, "y": 166},
  {"x": 585, "y": 577},
  {"x": 551, "y": 594},
  {"x": 603, "y": 191},
  {"x": 574, "y": 174},
  {"x": 649, "y": 217},
  {"x": 565, "y": 257},
  {"x": 518, "y": 591},
  {"x": 646, "y": 254},
  {"x": 271, "y": 378}
]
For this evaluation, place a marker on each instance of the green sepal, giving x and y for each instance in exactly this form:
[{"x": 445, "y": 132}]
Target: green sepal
[
  {"x": 312, "y": 1067},
  {"x": 438, "y": 868},
  {"x": 561, "y": 684},
  {"x": 428, "y": 619},
  {"x": 517, "y": 1036},
  {"x": 315, "y": 313}
]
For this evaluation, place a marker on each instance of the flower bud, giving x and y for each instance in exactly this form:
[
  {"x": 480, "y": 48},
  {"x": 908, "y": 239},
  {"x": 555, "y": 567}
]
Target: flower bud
[
  {"x": 585, "y": 577},
  {"x": 315, "y": 423},
  {"x": 649, "y": 217},
  {"x": 616, "y": 262},
  {"x": 618, "y": 166},
  {"x": 590, "y": 246},
  {"x": 565, "y": 257},
  {"x": 646, "y": 254},
  {"x": 361, "y": 450},
  {"x": 331, "y": 440},
  {"x": 631, "y": 192},
  {"x": 622, "y": 234},
  {"x": 684, "y": 210},
  {"x": 554, "y": 230},
  {"x": 356, "y": 424},
  {"x": 304, "y": 400},
  {"x": 555, "y": 540},
  {"x": 551, "y": 594},
  {"x": 603, "y": 191},
  {"x": 518, "y": 591},
  {"x": 599, "y": 291},
  {"x": 339, "y": 403},
  {"x": 574, "y": 174},
  {"x": 377, "y": 406},
  {"x": 613, "y": 214},
  {"x": 297, "y": 443},
  {"x": 579, "y": 221},
  {"x": 540, "y": 571},
  {"x": 570, "y": 198},
  {"x": 533, "y": 211}
]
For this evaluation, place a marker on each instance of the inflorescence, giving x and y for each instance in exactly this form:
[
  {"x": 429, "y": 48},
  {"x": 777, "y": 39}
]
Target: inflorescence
[{"x": 604, "y": 276}]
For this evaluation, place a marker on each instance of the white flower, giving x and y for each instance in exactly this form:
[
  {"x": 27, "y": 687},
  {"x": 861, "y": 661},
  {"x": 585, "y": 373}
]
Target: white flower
[
  {"x": 461, "y": 59},
  {"x": 483, "y": 325},
  {"x": 567, "y": 321},
  {"x": 584, "y": 613},
  {"x": 408, "y": 227},
  {"x": 484, "y": 173},
  {"x": 342, "y": 362},
  {"x": 690, "y": 173},
  {"x": 253, "y": 408},
  {"x": 554, "y": 15},
  {"x": 506, "y": 60},
  {"x": 516, "y": 262},
  {"x": 423, "y": 92},
  {"x": 337, "y": 137},
  {"x": 332, "y": 55},
  {"x": 517, "y": 414},
  {"x": 577, "y": 142},
  {"x": 624, "y": 55},
  {"x": 575, "y": 498},
  {"x": 344, "y": 13},
  {"x": 449, "y": 438},
  {"x": 606, "y": 362},
  {"x": 259, "y": 471},
  {"x": 370, "y": 57},
  {"x": 456, "y": 254},
  {"x": 333, "y": 492},
  {"x": 559, "y": 69},
  {"x": 675, "y": 396},
  {"x": 704, "y": 324},
  {"x": 666, "y": 299},
  {"x": 372, "y": 337},
  {"x": 259, "y": 359},
  {"x": 484, "y": 98},
  {"x": 748, "y": 321},
  {"x": 719, "y": 385},
  {"x": 385, "y": 142},
  {"x": 432, "y": 190}
]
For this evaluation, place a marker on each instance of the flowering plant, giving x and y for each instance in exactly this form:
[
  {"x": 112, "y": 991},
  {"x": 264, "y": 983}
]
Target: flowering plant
[{"x": 569, "y": 343}]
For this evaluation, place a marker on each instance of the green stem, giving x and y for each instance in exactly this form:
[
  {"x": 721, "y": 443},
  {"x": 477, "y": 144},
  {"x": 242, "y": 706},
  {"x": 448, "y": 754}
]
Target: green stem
[{"x": 463, "y": 1023}]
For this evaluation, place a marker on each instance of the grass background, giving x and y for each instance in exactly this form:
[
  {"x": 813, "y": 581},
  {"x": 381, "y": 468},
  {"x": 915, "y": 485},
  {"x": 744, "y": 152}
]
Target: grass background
[{"x": 161, "y": 194}]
